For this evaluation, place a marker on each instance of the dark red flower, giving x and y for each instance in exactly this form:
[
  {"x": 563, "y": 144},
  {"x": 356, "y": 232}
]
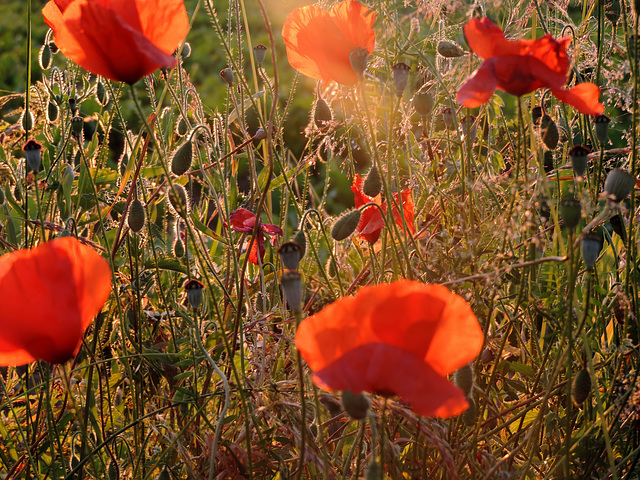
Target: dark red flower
[
  {"x": 371, "y": 221},
  {"x": 398, "y": 338},
  {"x": 120, "y": 40},
  {"x": 48, "y": 297},
  {"x": 242, "y": 220},
  {"x": 520, "y": 67},
  {"x": 319, "y": 42}
]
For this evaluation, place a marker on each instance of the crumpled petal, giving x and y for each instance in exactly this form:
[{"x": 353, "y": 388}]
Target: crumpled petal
[
  {"x": 242, "y": 220},
  {"x": 584, "y": 97}
]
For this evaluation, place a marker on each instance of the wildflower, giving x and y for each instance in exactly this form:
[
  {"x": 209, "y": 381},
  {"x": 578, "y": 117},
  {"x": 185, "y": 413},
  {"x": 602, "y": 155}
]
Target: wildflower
[
  {"x": 520, "y": 67},
  {"x": 242, "y": 220},
  {"x": 398, "y": 338},
  {"x": 123, "y": 41},
  {"x": 50, "y": 295},
  {"x": 371, "y": 220},
  {"x": 319, "y": 42}
]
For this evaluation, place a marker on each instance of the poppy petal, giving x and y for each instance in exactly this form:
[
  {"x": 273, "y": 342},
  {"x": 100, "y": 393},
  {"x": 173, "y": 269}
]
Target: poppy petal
[
  {"x": 386, "y": 369},
  {"x": 407, "y": 210},
  {"x": 487, "y": 40},
  {"x": 70, "y": 283},
  {"x": 257, "y": 249},
  {"x": 479, "y": 88},
  {"x": 584, "y": 97},
  {"x": 242, "y": 220},
  {"x": 270, "y": 229},
  {"x": 356, "y": 24}
]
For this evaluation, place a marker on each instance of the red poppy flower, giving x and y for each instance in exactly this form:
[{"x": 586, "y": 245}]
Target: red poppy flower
[
  {"x": 398, "y": 338},
  {"x": 242, "y": 220},
  {"x": 318, "y": 42},
  {"x": 120, "y": 40},
  {"x": 48, "y": 297},
  {"x": 520, "y": 67},
  {"x": 371, "y": 221}
]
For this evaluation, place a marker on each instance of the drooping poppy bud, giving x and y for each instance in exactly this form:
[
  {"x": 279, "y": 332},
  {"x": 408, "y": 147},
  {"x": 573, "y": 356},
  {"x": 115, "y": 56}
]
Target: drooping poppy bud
[
  {"x": 102, "y": 95},
  {"x": 549, "y": 132},
  {"x": 291, "y": 282},
  {"x": 581, "y": 387},
  {"x": 463, "y": 378},
  {"x": 259, "y": 54},
  {"x": 182, "y": 158},
  {"x": 358, "y": 58},
  {"x": 355, "y": 404},
  {"x": 186, "y": 50},
  {"x": 27, "y": 121},
  {"x": 400, "y": 77},
  {"x": 194, "y": 292},
  {"x": 449, "y": 49},
  {"x": 179, "y": 200},
  {"x": 137, "y": 215},
  {"x": 619, "y": 184},
  {"x": 33, "y": 154},
  {"x": 373, "y": 183},
  {"x": 322, "y": 115},
  {"x": 45, "y": 57},
  {"x": 570, "y": 210},
  {"x": 52, "y": 111},
  {"x": 345, "y": 225},
  {"x": 178, "y": 248}
]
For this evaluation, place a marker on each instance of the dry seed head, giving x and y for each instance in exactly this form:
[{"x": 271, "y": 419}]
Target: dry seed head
[
  {"x": 179, "y": 200},
  {"x": 601, "y": 124},
  {"x": 345, "y": 225},
  {"x": 290, "y": 255},
  {"x": 182, "y": 158},
  {"x": 581, "y": 387},
  {"x": 591, "y": 245},
  {"x": 259, "y": 53},
  {"x": 373, "y": 183},
  {"x": 77, "y": 125},
  {"x": 137, "y": 216},
  {"x": 579, "y": 156},
  {"x": 194, "y": 289},
  {"x": 291, "y": 282},
  {"x": 449, "y": 49},
  {"x": 400, "y": 77}
]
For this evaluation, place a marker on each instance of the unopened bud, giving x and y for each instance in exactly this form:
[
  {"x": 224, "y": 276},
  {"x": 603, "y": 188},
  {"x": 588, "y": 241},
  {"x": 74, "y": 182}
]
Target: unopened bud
[
  {"x": 45, "y": 57},
  {"x": 345, "y": 225},
  {"x": 137, "y": 216},
  {"x": 182, "y": 158},
  {"x": 322, "y": 115},
  {"x": 549, "y": 132},
  {"x": 227, "y": 76},
  {"x": 52, "y": 111},
  {"x": 581, "y": 387},
  {"x": 463, "y": 378},
  {"x": 449, "y": 49},
  {"x": 179, "y": 200},
  {"x": 373, "y": 183},
  {"x": 27, "y": 121},
  {"x": 102, "y": 95},
  {"x": 579, "y": 159},
  {"x": 448, "y": 117},
  {"x": 66, "y": 180}
]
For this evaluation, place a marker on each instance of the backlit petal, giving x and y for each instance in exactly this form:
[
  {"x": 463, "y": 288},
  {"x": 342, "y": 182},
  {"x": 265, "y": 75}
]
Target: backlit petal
[
  {"x": 584, "y": 97},
  {"x": 479, "y": 88},
  {"x": 355, "y": 23},
  {"x": 242, "y": 220}
]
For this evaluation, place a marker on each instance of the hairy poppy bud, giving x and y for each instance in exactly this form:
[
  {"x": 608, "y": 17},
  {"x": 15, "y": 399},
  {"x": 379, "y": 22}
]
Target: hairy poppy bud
[
  {"x": 345, "y": 225},
  {"x": 373, "y": 183},
  {"x": 579, "y": 159},
  {"x": 602, "y": 128},
  {"x": 449, "y": 49},
  {"x": 423, "y": 103},
  {"x": 137, "y": 215},
  {"x": 186, "y": 50},
  {"x": 260, "y": 134},
  {"x": 400, "y": 77},
  {"x": 227, "y": 76},
  {"x": 291, "y": 282},
  {"x": 619, "y": 184},
  {"x": 570, "y": 210},
  {"x": 179, "y": 200},
  {"x": 322, "y": 115},
  {"x": 549, "y": 132},
  {"x": 102, "y": 95},
  {"x": 290, "y": 255},
  {"x": 301, "y": 239},
  {"x": 581, "y": 387},
  {"x": 27, "y": 121},
  {"x": 330, "y": 268},
  {"x": 259, "y": 53},
  {"x": 45, "y": 57},
  {"x": 591, "y": 245},
  {"x": 66, "y": 180},
  {"x": 182, "y": 127},
  {"x": 536, "y": 115},
  {"x": 358, "y": 58},
  {"x": 463, "y": 378},
  {"x": 77, "y": 125},
  {"x": 194, "y": 292},
  {"x": 355, "y": 404},
  {"x": 32, "y": 151},
  {"x": 178, "y": 248},
  {"x": 52, "y": 111},
  {"x": 182, "y": 158}
]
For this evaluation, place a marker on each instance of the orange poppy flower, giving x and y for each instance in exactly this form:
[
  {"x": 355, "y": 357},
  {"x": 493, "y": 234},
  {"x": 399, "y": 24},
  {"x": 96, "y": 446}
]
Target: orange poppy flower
[
  {"x": 398, "y": 338},
  {"x": 318, "y": 42},
  {"x": 120, "y": 40},
  {"x": 520, "y": 67},
  {"x": 371, "y": 221},
  {"x": 48, "y": 297}
]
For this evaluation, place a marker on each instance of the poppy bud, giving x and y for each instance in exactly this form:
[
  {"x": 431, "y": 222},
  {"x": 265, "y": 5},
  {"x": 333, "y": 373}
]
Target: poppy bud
[
  {"x": 194, "y": 292},
  {"x": 463, "y": 378},
  {"x": 355, "y": 404},
  {"x": 52, "y": 111},
  {"x": 179, "y": 200},
  {"x": 549, "y": 132},
  {"x": 602, "y": 128},
  {"x": 345, "y": 225},
  {"x": 373, "y": 183},
  {"x": 178, "y": 248},
  {"x": 469, "y": 126},
  {"x": 260, "y": 134},
  {"x": 548, "y": 162},
  {"x": 32, "y": 150},
  {"x": 322, "y": 113},
  {"x": 77, "y": 125},
  {"x": 291, "y": 282},
  {"x": 227, "y": 76},
  {"x": 619, "y": 184},
  {"x": 469, "y": 415},
  {"x": 400, "y": 77},
  {"x": 137, "y": 215},
  {"x": 536, "y": 115},
  {"x": 449, "y": 49},
  {"x": 66, "y": 180},
  {"x": 45, "y": 57},
  {"x": 102, "y": 95},
  {"x": 423, "y": 103},
  {"x": 612, "y": 11},
  {"x": 182, "y": 158},
  {"x": 581, "y": 387},
  {"x": 618, "y": 226},
  {"x": 358, "y": 58},
  {"x": 301, "y": 239},
  {"x": 72, "y": 105},
  {"x": 330, "y": 268},
  {"x": 570, "y": 210},
  {"x": 186, "y": 50},
  {"x": 487, "y": 356},
  {"x": 591, "y": 245},
  {"x": 182, "y": 127},
  {"x": 290, "y": 255},
  {"x": 259, "y": 54},
  {"x": 27, "y": 120},
  {"x": 448, "y": 117},
  {"x": 579, "y": 159}
]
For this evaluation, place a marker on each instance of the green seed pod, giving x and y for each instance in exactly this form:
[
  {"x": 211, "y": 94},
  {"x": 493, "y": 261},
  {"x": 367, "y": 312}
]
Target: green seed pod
[
  {"x": 137, "y": 215},
  {"x": 449, "y": 49},
  {"x": 194, "y": 289},
  {"x": 45, "y": 57},
  {"x": 178, "y": 248},
  {"x": 291, "y": 282},
  {"x": 570, "y": 210},
  {"x": 322, "y": 115},
  {"x": 290, "y": 255},
  {"x": 400, "y": 77},
  {"x": 423, "y": 103},
  {"x": 549, "y": 132},
  {"x": 470, "y": 415},
  {"x": 77, "y": 125},
  {"x": 355, "y": 404},
  {"x": 182, "y": 158},
  {"x": 579, "y": 156},
  {"x": 619, "y": 184},
  {"x": 373, "y": 183},
  {"x": 463, "y": 378},
  {"x": 591, "y": 245},
  {"x": 259, "y": 54},
  {"x": 345, "y": 225},
  {"x": 179, "y": 200},
  {"x": 301, "y": 239},
  {"x": 581, "y": 387},
  {"x": 358, "y": 58},
  {"x": 602, "y": 128},
  {"x": 102, "y": 95},
  {"x": 52, "y": 112}
]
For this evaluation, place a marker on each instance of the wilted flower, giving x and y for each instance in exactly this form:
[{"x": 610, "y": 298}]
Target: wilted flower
[{"x": 242, "y": 220}]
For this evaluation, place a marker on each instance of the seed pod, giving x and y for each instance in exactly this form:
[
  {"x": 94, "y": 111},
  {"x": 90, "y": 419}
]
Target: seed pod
[
  {"x": 423, "y": 103},
  {"x": 322, "y": 115},
  {"x": 290, "y": 255},
  {"x": 194, "y": 292},
  {"x": 77, "y": 125},
  {"x": 33, "y": 154},
  {"x": 581, "y": 387},
  {"x": 102, "y": 95},
  {"x": 400, "y": 77},
  {"x": 619, "y": 184},
  {"x": 52, "y": 111},
  {"x": 137, "y": 215},
  {"x": 182, "y": 158},
  {"x": 448, "y": 117},
  {"x": 179, "y": 200},
  {"x": 345, "y": 225},
  {"x": 291, "y": 282},
  {"x": 358, "y": 58},
  {"x": 463, "y": 378},
  {"x": 373, "y": 183},
  {"x": 301, "y": 239},
  {"x": 449, "y": 49},
  {"x": 549, "y": 132},
  {"x": 591, "y": 244},
  {"x": 227, "y": 76},
  {"x": 570, "y": 210},
  {"x": 602, "y": 128},
  {"x": 45, "y": 57},
  {"x": 355, "y": 404},
  {"x": 259, "y": 54},
  {"x": 579, "y": 156},
  {"x": 618, "y": 226}
]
